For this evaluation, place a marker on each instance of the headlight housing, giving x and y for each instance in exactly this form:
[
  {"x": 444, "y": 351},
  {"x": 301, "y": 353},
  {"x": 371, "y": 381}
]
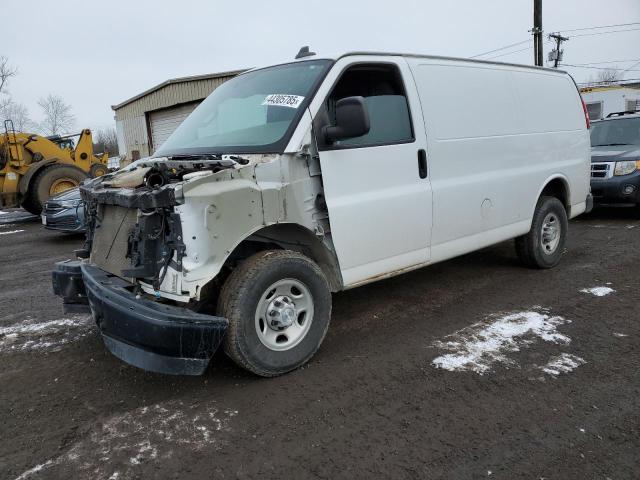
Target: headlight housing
[
  {"x": 625, "y": 168},
  {"x": 69, "y": 203}
]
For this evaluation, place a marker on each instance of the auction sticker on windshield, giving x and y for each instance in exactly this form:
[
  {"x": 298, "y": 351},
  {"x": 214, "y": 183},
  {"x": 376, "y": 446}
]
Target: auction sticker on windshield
[{"x": 282, "y": 100}]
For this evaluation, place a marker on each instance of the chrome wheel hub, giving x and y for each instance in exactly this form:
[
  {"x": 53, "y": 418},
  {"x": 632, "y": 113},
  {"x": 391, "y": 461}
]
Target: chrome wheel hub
[
  {"x": 550, "y": 235},
  {"x": 281, "y": 313},
  {"x": 284, "y": 314}
]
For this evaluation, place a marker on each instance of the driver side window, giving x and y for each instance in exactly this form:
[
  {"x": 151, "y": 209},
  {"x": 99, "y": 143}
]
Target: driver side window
[{"x": 385, "y": 99}]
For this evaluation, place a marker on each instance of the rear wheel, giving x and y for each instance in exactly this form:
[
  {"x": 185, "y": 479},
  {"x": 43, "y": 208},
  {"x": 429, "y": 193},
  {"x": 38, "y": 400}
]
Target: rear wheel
[
  {"x": 278, "y": 305},
  {"x": 49, "y": 182},
  {"x": 542, "y": 247}
]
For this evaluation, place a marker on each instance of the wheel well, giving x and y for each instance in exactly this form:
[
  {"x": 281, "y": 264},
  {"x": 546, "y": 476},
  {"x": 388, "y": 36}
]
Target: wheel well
[
  {"x": 289, "y": 236},
  {"x": 557, "y": 188}
]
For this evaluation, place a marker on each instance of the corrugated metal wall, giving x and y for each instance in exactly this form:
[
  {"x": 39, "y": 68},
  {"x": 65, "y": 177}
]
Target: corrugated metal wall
[
  {"x": 134, "y": 115},
  {"x": 162, "y": 123}
]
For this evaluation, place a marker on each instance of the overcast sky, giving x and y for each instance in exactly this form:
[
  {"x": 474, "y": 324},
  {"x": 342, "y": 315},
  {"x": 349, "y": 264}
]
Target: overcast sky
[{"x": 97, "y": 54}]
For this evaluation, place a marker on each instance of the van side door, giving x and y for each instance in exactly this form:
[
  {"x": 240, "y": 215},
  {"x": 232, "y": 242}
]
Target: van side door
[{"x": 376, "y": 185}]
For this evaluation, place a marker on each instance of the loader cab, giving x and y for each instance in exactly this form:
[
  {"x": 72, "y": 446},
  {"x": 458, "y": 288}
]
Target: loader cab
[{"x": 62, "y": 142}]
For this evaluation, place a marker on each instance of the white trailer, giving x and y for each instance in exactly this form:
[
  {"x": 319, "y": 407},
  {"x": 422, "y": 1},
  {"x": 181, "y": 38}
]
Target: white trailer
[{"x": 601, "y": 101}]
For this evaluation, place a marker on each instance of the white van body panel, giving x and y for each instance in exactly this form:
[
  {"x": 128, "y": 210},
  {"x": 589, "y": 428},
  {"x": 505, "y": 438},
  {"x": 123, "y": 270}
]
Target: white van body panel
[
  {"x": 379, "y": 208},
  {"x": 496, "y": 136}
]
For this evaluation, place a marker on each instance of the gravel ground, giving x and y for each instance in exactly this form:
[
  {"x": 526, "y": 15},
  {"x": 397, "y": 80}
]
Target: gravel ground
[{"x": 473, "y": 368}]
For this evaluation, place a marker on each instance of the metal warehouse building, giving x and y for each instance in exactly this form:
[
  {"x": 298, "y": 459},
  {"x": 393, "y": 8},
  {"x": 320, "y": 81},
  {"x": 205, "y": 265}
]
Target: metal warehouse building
[{"x": 145, "y": 121}]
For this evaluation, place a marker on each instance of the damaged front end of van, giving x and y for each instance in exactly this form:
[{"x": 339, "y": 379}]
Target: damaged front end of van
[
  {"x": 131, "y": 268},
  {"x": 164, "y": 233},
  {"x": 161, "y": 236}
]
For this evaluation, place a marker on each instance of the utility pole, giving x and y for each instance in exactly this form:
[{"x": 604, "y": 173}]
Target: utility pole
[
  {"x": 556, "y": 55},
  {"x": 537, "y": 32}
]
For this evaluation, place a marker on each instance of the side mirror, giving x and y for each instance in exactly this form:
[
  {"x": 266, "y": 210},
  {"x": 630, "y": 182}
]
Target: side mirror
[{"x": 352, "y": 120}]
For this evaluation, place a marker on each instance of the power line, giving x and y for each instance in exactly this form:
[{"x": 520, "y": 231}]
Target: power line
[
  {"x": 628, "y": 69},
  {"x": 600, "y": 26},
  {"x": 572, "y": 36},
  {"x": 502, "y": 48},
  {"x": 605, "y": 33},
  {"x": 508, "y": 53},
  {"x": 598, "y": 68},
  {"x": 612, "y": 61}
]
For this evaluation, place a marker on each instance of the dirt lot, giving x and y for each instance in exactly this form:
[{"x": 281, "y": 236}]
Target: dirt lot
[{"x": 472, "y": 368}]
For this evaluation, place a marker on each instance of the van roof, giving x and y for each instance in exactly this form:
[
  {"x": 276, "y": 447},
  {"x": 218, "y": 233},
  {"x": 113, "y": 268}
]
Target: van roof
[{"x": 337, "y": 56}]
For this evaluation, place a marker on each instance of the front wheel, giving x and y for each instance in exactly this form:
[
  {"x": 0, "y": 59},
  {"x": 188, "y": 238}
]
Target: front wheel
[
  {"x": 278, "y": 305},
  {"x": 542, "y": 247}
]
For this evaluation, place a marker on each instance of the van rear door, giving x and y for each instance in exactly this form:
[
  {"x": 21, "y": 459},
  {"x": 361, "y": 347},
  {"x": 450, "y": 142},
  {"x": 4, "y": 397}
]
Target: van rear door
[{"x": 377, "y": 187}]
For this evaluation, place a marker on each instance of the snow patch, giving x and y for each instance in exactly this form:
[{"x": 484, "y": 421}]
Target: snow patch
[
  {"x": 477, "y": 347},
  {"x": 35, "y": 469},
  {"x": 44, "y": 335},
  {"x": 8, "y": 232},
  {"x": 621, "y": 335},
  {"x": 563, "y": 363},
  {"x": 142, "y": 435},
  {"x": 598, "y": 291}
]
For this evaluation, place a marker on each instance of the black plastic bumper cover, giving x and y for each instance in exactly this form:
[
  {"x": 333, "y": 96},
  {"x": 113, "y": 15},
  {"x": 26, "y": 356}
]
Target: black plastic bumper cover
[
  {"x": 68, "y": 284},
  {"x": 611, "y": 190},
  {"x": 150, "y": 335}
]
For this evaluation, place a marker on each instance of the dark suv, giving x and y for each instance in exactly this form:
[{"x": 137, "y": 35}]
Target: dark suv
[{"x": 615, "y": 159}]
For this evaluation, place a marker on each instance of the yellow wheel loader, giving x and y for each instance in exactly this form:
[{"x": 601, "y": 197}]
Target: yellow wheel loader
[{"x": 35, "y": 168}]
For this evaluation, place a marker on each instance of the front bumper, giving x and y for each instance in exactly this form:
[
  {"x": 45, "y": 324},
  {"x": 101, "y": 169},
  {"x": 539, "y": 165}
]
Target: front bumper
[
  {"x": 612, "y": 190},
  {"x": 147, "y": 334}
]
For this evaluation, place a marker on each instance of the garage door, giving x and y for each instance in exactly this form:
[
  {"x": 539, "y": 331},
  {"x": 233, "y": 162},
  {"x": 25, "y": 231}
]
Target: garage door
[{"x": 164, "y": 122}]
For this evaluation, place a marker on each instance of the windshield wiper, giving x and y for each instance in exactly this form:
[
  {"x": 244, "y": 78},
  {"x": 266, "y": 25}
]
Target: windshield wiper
[
  {"x": 610, "y": 144},
  {"x": 196, "y": 156},
  {"x": 210, "y": 156}
]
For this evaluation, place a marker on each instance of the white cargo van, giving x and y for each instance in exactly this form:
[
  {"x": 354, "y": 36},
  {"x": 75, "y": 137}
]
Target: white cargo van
[{"x": 326, "y": 173}]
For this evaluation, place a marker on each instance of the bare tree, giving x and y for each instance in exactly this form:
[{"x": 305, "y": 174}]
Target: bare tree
[
  {"x": 106, "y": 141},
  {"x": 57, "y": 115},
  {"x": 19, "y": 115},
  {"x": 607, "y": 76},
  {"x": 6, "y": 72}
]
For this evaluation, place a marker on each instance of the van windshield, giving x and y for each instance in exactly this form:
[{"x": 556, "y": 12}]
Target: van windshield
[
  {"x": 623, "y": 131},
  {"x": 255, "y": 112}
]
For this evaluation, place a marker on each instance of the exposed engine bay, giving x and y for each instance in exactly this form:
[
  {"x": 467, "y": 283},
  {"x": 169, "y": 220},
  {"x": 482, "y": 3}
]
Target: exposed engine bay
[{"x": 132, "y": 212}]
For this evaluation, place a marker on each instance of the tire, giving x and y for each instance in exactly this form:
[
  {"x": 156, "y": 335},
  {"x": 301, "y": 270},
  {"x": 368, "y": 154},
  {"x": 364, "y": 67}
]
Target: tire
[
  {"x": 544, "y": 250},
  {"x": 288, "y": 287},
  {"x": 51, "y": 181},
  {"x": 98, "y": 170}
]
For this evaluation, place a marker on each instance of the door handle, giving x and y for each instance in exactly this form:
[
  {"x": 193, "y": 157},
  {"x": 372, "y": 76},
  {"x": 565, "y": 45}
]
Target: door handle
[{"x": 422, "y": 163}]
